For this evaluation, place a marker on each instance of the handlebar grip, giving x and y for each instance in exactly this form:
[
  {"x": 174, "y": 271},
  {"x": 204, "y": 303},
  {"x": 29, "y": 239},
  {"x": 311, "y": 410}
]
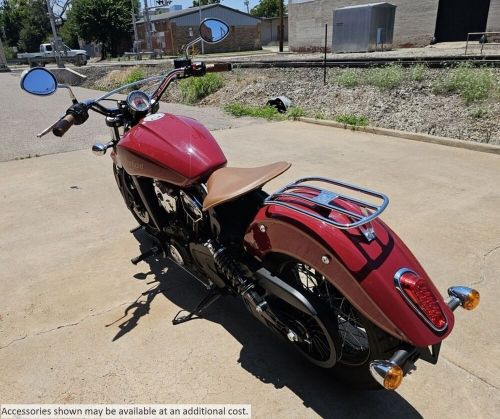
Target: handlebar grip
[
  {"x": 219, "y": 67},
  {"x": 63, "y": 125}
]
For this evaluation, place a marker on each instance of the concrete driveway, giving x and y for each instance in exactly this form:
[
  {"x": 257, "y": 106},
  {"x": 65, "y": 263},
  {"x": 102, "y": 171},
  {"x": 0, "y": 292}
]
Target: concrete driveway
[
  {"x": 80, "y": 324},
  {"x": 24, "y": 115}
]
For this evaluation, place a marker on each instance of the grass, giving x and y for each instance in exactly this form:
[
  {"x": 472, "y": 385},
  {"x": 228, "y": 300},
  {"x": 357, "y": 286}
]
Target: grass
[
  {"x": 359, "y": 121},
  {"x": 319, "y": 115},
  {"x": 267, "y": 112},
  {"x": 295, "y": 112},
  {"x": 472, "y": 84},
  {"x": 479, "y": 113},
  {"x": 134, "y": 75},
  {"x": 196, "y": 88},
  {"x": 418, "y": 72},
  {"x": 386, "y": 78},
  {"x": 348, "y": 78}
]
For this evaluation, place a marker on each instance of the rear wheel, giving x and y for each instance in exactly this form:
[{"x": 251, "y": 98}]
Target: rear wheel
[{"x": 357, "y": 340}]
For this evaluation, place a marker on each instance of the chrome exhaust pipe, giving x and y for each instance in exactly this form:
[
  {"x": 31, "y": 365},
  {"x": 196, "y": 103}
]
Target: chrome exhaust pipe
[{"x": 465, "y": 297}]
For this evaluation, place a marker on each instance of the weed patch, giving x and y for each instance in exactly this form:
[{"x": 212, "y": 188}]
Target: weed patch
[
  {"x": 355, "y": 120},
  {"x": 196, "y": 88},
  {"x": 386, "y": 78},
  {"x": 472, "y": 84},
  {"x": 418, "y": 72},
  {"x": 295, "y": 112},
  {"x": 348, "y": 78},
  {"x": 267, "y": 112}
]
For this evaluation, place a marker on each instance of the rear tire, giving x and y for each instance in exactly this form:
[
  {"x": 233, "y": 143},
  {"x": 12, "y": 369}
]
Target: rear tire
[{"x": 357, "y": 340}]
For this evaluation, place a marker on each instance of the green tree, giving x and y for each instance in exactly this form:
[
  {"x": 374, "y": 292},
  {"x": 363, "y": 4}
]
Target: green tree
[
  {"x": 69, "y": 30},
  {"x": 197, "y": 3},
  {"x": 267, "y": 8},
  {"x": 106, "y": 21},
  {"x": 12, "y": 14},
  {"x": 35, "y": 27},
  {"x": 25, "y": 23}
]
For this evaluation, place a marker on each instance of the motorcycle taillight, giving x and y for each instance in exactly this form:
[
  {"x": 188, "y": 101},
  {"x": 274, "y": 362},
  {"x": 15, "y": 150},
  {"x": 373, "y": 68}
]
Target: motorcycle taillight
[{"x": 418, "y": 291}]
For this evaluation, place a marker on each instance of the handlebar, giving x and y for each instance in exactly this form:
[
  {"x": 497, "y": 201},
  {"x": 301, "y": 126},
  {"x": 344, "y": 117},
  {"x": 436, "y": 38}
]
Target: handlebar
[
  {"x": 197, "y": 69},
  {"x": 63, "y": 125},
  {"x": 218, "y": 67}
]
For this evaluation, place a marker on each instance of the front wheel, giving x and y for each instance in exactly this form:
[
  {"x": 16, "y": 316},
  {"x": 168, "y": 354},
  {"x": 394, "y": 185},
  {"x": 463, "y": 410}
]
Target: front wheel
[
  {"x": 132, "y": 199},
  {"x": 356, "y": 340}
]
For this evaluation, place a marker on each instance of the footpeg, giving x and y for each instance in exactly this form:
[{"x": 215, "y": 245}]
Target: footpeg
[{"x": 151, "y": 252}]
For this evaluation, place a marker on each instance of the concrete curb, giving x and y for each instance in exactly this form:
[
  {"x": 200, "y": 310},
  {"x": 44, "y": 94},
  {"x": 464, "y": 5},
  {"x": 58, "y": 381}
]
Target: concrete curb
[
  {"x": 426, "y": 138},
  {"x": 68, "y": 76}
]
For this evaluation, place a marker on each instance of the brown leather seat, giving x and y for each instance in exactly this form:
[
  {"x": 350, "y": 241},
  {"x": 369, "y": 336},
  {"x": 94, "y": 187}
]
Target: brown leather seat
[{"x": 228, "y": 183}]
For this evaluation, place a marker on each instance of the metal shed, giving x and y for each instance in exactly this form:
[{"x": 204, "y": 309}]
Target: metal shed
[{"x": 362, "y": 28}]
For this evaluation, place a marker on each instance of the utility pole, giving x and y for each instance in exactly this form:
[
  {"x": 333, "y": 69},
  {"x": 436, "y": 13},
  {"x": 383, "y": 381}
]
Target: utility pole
[
  {"x": 57, "y": 44},
  {"x": 149, "y": 44},
  {"x": 3, "y": 60},
  {"x": 246, "y": 3},
  {"x": 136, "y": 36},
  {"x": 282, "y": 29}
]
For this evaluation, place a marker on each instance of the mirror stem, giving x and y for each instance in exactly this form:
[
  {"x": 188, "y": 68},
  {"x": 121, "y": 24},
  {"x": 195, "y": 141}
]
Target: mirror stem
[
  {"x": 71, "y": 94},
  {"x": 191, "y": 44}
]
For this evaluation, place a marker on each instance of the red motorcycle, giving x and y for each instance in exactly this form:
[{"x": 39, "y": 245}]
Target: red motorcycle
[{"x": 313, "y": 261}]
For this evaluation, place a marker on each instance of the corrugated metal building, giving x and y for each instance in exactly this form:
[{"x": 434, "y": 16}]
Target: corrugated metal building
[
  {"x": 417, "y": 21},
  {"x": 174, "y": 29},
  {"x": 362, "y": 28}
]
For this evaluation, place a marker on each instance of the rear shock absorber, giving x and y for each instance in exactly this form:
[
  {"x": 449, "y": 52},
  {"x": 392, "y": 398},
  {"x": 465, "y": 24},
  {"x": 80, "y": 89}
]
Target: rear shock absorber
[{"x": 228, "y": 266}]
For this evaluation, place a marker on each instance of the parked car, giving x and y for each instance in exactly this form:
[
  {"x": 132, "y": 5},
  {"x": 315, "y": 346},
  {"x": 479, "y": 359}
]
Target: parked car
[{"x": 46, "y": 54}]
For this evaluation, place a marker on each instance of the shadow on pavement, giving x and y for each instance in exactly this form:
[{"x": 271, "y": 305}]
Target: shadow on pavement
[{"x": 263, "y": 354}]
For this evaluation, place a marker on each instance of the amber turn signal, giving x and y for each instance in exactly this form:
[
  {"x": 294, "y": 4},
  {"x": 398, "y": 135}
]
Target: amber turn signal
[
  {"x": 471, "y": 300},
  {"x": 468, "y": 298},
  {"x": 386, "y": 373}
]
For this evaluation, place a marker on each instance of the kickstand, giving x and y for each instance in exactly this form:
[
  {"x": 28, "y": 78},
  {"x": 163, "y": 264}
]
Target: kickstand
[{"x": 202, "y": 305}]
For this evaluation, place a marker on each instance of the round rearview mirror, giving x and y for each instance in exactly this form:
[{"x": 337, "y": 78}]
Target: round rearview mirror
[
  {"x": 39, "y": 81},
  {"x": 213, "y": 30}
]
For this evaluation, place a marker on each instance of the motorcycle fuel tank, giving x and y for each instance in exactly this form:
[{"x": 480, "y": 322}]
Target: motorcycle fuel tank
[{"x": 174, "y": 149}]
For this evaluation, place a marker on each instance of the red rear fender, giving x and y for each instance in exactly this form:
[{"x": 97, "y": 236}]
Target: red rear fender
[{"x": 362, "y": 271}]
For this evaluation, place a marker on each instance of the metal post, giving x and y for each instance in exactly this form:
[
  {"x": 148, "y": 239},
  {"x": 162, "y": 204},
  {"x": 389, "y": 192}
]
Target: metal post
[
  {"x": 149, "y": 44},
  {"x": 57, "y": 44},
  {"x": 202, "y": 44},
  {"x": 282, "y": 31},
  {"x": 324, "y": 61}
]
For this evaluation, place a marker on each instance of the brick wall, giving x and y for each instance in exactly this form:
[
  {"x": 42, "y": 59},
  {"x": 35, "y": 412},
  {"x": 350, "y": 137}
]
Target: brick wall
[{"x": 240, "y": 38}]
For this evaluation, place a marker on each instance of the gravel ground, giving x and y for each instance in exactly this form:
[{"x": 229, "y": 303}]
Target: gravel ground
[{"x": 410, "y": 107}]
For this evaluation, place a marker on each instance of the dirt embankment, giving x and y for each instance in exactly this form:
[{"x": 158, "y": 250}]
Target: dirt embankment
[{"x": 411, "y": 105}]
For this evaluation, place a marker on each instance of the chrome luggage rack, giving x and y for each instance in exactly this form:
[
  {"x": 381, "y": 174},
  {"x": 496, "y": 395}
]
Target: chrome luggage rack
[{"x": 324, "y": 198}]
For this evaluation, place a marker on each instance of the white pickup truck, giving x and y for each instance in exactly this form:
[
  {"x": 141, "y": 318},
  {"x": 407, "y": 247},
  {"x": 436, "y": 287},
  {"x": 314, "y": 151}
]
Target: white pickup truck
[{"x": 47, "y": 55}]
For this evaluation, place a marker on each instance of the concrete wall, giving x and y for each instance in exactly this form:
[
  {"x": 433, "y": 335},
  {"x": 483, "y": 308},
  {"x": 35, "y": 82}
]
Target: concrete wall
[
  {"x": 269, "y": 30},
  {"x": 414, "y": 25},
  {"x": 494, "y": 17}
]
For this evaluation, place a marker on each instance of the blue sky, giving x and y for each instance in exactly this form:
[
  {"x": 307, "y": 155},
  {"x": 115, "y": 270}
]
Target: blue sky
[{"x": 235, "y": 4}]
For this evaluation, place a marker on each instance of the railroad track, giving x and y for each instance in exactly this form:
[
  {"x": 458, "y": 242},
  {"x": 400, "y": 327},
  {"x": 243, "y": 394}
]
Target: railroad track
[{"x": 434, "y": 62}]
